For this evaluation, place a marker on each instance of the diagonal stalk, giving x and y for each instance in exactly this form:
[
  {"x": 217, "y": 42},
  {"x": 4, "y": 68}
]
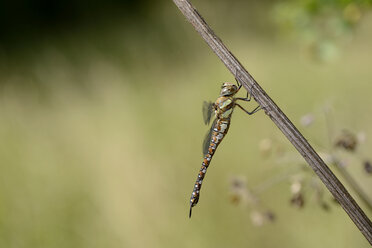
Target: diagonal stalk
[{"x": 279, "y": 118}]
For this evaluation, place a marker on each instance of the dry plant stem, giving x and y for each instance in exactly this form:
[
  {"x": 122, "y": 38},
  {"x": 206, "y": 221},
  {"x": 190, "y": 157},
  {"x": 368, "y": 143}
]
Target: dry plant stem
[
  {"x": 279, "y": 118},
  {"x": 354, "y": 185}
]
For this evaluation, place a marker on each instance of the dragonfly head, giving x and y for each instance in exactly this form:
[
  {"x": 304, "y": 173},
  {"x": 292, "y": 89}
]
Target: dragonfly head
[{"x": 228, "y": 89}]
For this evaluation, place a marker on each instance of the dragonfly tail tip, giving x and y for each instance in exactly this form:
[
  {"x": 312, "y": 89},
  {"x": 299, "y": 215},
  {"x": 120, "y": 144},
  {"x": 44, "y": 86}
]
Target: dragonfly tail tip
[{"x": 190, "y": 212}]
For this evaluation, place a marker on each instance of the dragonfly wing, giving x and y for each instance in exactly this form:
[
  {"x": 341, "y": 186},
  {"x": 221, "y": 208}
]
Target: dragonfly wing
[
  {"x": 207, "y": 111},
  {"x": 208, "y": 137}
]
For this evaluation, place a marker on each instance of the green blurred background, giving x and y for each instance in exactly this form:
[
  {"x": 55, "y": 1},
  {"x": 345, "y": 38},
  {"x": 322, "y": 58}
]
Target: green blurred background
[{"x": 101, "y": 125}]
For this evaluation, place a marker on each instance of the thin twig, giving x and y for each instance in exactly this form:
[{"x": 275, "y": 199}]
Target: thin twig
[
  {"x": 265, "y": 185},
  {"x": 353, "y": 184},
  {"x": 279, "y": 118}
]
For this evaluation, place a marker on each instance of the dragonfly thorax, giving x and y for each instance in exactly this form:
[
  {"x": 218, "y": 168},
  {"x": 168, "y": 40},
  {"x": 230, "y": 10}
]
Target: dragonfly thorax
[
  {"x": 224, "y": 106},
  {"x": 228, "y": 89}
]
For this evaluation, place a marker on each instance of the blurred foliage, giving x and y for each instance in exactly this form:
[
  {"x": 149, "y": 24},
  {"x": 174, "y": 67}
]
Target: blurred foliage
[
  {"x": 321, "y": 23},
  {"x": 31, "y": 18}
]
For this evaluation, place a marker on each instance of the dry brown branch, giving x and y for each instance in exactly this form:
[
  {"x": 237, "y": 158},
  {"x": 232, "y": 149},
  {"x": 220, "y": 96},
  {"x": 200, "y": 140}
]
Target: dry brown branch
[{"x": 279, "y": 118}]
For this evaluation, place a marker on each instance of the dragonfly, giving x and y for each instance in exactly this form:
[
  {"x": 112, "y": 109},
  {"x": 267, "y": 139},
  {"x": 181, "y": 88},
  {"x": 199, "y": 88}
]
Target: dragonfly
[{"x": 222, "y": 110}]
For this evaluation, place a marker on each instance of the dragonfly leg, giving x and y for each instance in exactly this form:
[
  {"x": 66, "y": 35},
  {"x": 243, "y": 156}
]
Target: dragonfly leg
[
  {"x": 249, "y": 112},
  {"x": 247, "y": 98},
  {"x": 237, "y": 81},
  {"x": 239, "y": 84}
]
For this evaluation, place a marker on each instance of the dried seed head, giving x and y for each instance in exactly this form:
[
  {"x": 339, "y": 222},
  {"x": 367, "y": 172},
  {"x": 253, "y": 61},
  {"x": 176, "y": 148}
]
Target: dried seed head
[
  {"x": 237, "y": 183},
  {"x": 270, "y": 216},
  {"x": 343, "y": 162},
  {"x": 368, "y": 167},
  {"x": 235, "y": 199},
  {"x": 297, "y": 200},
  {"x": 362, "y": 137},
  {"x": 257, "y": 218},
  {"x": 325, "y": 206},
  {"x": 296, "y": 187},
  {"x": 307, "y": 120},
  {"x": 347, "y": 141},
  {"x": 265, "y": 147}
]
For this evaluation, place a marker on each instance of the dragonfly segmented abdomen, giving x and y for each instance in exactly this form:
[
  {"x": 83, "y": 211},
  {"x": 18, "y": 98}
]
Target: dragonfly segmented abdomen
[{"x": 219, "y": 131}]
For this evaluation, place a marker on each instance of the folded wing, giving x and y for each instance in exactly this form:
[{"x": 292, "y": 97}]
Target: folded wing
[
  {"x": 208, "y": 111},
  {"x": 207, "y": 138}
]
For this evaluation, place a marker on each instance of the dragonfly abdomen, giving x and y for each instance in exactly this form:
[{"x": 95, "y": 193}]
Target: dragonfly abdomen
[{"x": 219, "y": 131}]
